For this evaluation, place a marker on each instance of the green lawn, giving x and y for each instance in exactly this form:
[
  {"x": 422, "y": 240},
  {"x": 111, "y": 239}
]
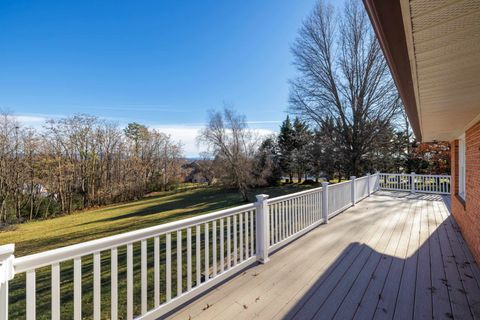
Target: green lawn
[
  {"x": 83, "y": 226},
  {"x": 33, "y": 237}
]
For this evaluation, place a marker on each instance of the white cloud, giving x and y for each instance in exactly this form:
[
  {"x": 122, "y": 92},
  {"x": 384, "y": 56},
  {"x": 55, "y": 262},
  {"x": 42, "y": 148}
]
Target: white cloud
[
  {"x": 187, "y": 135},
  {"x": 30, "y": 119}
]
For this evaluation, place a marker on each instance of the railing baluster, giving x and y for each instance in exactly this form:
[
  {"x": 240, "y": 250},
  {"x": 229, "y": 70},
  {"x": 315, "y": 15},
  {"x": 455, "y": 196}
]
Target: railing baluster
[
  {"x": 168, "y": 267},
  {"x": 301, "y": 207},
  {"x": 207, "y": 253},
  {"x": 179, "y": 263},
  {"x": 304, "y": 211},
  {"x": 130, "y": 281},
  {"x": 77, "y": 289},
  {"x": 240, "y": 218},
  {"x": 189, "y": 259},
  {"x": 246, "y": 235},
  {"x": 235, "y": 255},
  {"x": 311, "y": 206},
  {"x": 31, "y": 295},
  {"x": 97, "y": 299},
  {"x": 229, "y": 248},
  {"x": 56, "y": 291},
  {"x": 290, "y": 216},
  {"x": 293, "y": 208},
  {"x": 252, "y": 234},
  {"x": 307, "y": 211},
  {"x": 198, "y": 253},
  {"x": 156, "y": 270},
  {"x": 143, "y": 275},
  {"x": 278, "y": 209},
  {"x": 277, "y": 224},
  {"x": 114, "y": 284},
  {"x": 222, "y": 247},
  {"x": 282, "y": 220},
  {"x": 272, "y": 226},
  {"x": 214, "y": 248}
]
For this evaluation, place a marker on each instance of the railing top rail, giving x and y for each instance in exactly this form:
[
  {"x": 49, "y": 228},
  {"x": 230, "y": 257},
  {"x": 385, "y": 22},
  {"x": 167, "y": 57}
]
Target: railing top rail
[
  {"x": 362, "y": 178},
  {"x": 339, "y": 184},
  {"x": 293, "y": 195},
  {"x": 46, "y": 258},
  {"x": 6, "y": 250},
  {"x": 416, "y": 175}
]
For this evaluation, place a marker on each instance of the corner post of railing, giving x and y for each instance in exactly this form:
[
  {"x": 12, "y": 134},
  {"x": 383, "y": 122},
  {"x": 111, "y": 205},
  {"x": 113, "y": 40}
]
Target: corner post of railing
[
  {"x": 352, "y": 181},
  {"x": 368, "y": 185},
  {"x": 325, "y": 201},
  {"x": 6, "y": 274},
  {"x": 262, "y": 228},
  {"x": 412, "y": 177}
]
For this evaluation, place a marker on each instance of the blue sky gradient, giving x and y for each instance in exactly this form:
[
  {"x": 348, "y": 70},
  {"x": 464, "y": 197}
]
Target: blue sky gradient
[{"x": 162, "y": 63}]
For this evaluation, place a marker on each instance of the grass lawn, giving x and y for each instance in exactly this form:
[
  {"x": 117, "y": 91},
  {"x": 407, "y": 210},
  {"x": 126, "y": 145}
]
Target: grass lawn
[
  {"x": 33, "y": 237},
  {"x": 88, "y": 225}
]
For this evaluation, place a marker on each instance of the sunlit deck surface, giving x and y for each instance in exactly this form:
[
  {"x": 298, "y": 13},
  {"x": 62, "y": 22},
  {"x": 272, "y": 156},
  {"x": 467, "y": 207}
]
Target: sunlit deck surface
[{"x": 393, "y": 255}]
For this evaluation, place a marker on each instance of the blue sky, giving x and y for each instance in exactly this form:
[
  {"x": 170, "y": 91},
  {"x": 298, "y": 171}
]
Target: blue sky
[{"x": 161, "y": 63}]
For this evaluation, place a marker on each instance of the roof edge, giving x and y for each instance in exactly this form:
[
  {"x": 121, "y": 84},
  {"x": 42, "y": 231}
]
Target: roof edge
[{"x": 387, "y": 22}]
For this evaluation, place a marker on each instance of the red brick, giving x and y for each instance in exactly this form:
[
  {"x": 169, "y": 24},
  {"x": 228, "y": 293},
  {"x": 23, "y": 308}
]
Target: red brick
[{"x": 467, "y": 214}]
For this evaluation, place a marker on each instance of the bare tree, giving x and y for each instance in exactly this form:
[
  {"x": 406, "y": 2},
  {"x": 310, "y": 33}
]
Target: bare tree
[
  {"x": 229, "y": 140},
  {"x": 79, "y": 162},
  {"x": 343, "y": 78}
]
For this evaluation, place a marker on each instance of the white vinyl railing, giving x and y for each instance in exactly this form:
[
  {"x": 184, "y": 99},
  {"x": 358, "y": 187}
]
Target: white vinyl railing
[
  {"x": 292, "y": 215},
  {"x": 183, "y": 258},
  {"x": 438, "y": 184},
  {"x": 144, "y": 274},
  {"x": 340, "y": 197}
]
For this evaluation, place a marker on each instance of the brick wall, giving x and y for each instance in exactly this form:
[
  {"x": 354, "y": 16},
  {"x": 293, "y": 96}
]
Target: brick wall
[{"x": 467, "y": 214}]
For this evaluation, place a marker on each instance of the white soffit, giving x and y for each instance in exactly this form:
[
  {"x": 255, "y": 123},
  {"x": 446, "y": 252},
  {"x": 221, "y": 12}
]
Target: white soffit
[{"x": 443, "y": 39}]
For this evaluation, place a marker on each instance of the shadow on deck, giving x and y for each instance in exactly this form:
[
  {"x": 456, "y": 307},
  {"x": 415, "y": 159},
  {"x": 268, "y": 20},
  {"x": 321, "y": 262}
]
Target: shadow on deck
[{"x": 393, "y": 256}]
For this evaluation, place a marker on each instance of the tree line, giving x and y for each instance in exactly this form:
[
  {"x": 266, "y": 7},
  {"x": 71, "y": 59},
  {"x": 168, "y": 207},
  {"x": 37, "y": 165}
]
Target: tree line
[
  {"x": 348, "y": 116},
  {"x": 80, "y": 162}
]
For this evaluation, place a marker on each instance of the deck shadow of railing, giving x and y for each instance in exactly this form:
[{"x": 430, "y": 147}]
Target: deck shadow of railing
[
  {"x": 410, "y": 196},
  {"x": 439, "y": 277}
]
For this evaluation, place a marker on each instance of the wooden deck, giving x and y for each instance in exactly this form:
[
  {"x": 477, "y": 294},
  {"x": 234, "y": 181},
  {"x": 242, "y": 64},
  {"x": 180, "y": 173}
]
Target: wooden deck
[{"x": 393, "y": 255}]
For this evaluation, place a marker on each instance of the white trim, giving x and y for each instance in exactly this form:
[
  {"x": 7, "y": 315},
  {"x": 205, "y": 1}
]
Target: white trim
[
  {"x": 407, "y": 24},
  {"x": 462, "y": 148}
]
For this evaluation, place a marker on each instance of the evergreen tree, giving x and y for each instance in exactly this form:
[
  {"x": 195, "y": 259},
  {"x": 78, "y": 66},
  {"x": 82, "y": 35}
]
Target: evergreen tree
[
  {"x": 286, "y": 147},
  {"x": 302, "y": 137}
]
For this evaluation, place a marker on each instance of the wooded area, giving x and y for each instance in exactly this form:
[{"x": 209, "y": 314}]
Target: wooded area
[{"x": 80, "y": 162}]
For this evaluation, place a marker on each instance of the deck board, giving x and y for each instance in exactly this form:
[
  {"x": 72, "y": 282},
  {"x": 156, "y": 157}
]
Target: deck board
[{"x": 393, "y": 254}]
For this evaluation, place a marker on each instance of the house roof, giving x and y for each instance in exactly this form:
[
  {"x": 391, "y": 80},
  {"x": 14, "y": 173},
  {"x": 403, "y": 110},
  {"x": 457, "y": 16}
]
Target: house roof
[{"x": 433, "y": 51}]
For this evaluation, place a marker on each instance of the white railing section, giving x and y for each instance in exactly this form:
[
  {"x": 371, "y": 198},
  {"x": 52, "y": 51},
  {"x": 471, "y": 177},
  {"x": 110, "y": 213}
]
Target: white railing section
[
  {"x": 184, "y": 258},
  {"x": 438, "y": 184},
  {"x": 339, "y": 197},
  {"x": 292, "y": 215},
  {"x": 373, "y": 182},
  {"x": 144, "y": 274},
  {"x": 362, "y": 188}
]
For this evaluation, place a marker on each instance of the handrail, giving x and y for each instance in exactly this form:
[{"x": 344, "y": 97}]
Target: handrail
[
  {"x": 293, "y": 195},
  {"x": 45, "y": 258}
]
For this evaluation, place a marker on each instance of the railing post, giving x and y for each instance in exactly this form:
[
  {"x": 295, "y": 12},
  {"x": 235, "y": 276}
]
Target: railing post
[
  {"x": 262, "y": 228},
  {"x": 412, "y": 177},
  {"x": 368, "y": 184},
  {"x": 325, "y": 201},
  {"x": 6, "y": 274},
  {"x": 352, "y": 179}
]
